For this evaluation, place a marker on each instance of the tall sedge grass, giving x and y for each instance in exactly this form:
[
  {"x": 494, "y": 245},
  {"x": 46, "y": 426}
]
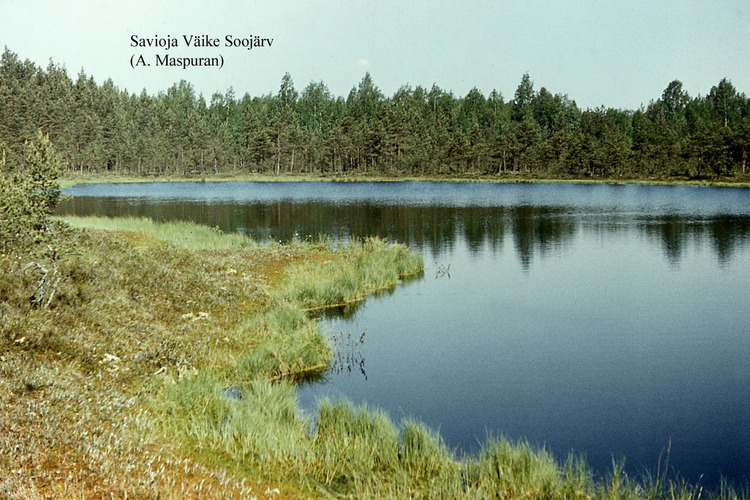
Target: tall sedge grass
[
  {"x": 259, "y": 430},
  {"x": 361, "y": 268},
  {"x": 353, "y": 444},
  {"x": 288, "y": 344},
  {"x": 517, "y": 470}
]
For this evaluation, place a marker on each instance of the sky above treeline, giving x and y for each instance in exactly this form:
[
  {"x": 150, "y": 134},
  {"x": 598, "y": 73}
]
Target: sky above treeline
[{"x": 613, "y": 53}]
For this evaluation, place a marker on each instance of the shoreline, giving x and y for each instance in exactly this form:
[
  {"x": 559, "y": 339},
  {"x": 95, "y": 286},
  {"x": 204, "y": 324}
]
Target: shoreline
[{"x": 68, "y": 180}]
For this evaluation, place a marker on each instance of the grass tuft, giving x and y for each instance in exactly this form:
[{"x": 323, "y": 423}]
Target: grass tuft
[{"x": 361, "y": 268}]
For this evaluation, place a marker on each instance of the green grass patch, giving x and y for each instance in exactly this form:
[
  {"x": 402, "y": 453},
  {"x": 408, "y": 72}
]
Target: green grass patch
[
  {"x": 359, "y": 269},
  {"x": 181, "y": 234}
]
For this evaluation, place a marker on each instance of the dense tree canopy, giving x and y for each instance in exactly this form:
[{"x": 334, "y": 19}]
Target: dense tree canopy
[{"x": 100, "y": 128}]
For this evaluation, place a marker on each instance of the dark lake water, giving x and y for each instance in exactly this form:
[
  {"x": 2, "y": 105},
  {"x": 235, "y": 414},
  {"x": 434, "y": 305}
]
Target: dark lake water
[{"x": 607, "y": 320}]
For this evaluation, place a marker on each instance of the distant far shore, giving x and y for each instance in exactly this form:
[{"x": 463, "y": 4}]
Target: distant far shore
[{"x": 70, "y": 179}]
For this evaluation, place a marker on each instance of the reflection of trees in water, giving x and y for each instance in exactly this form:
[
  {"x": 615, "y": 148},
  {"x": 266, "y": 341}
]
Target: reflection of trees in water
[
  {"x": 725, "y": 233},
  {"x": 540, "y": 231},
  {"x": 536, "y": 230}
]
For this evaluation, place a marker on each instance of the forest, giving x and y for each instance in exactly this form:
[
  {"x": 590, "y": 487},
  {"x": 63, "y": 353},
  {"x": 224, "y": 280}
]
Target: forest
[{"x": 100, "y": 129}]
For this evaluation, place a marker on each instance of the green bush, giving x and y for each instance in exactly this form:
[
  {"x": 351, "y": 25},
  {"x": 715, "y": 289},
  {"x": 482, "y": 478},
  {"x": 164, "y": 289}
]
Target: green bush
[{"x": 28, "y": 195}]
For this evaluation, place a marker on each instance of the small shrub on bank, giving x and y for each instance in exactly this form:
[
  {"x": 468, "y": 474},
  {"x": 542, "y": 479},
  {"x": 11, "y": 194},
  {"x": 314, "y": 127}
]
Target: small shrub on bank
[{"x": 28, "y": 195}]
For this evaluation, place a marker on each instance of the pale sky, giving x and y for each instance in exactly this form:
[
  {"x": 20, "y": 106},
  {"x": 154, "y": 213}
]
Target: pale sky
[{"x": 616, "y": 53}]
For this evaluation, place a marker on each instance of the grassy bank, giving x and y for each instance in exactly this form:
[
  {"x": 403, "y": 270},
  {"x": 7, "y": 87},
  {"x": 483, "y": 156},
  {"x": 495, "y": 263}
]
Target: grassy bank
[
  {"x": 159, "y": 360},
  {"x": 71, "y": 179}
]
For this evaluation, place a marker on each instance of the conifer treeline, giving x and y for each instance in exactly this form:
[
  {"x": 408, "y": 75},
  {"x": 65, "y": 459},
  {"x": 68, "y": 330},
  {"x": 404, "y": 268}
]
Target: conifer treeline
[{"x": 100, "y": 128}]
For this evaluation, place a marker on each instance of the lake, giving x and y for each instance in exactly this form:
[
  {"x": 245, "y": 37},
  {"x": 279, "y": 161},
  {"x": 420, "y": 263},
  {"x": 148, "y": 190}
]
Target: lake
[{"x": 611, "y": 321}]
